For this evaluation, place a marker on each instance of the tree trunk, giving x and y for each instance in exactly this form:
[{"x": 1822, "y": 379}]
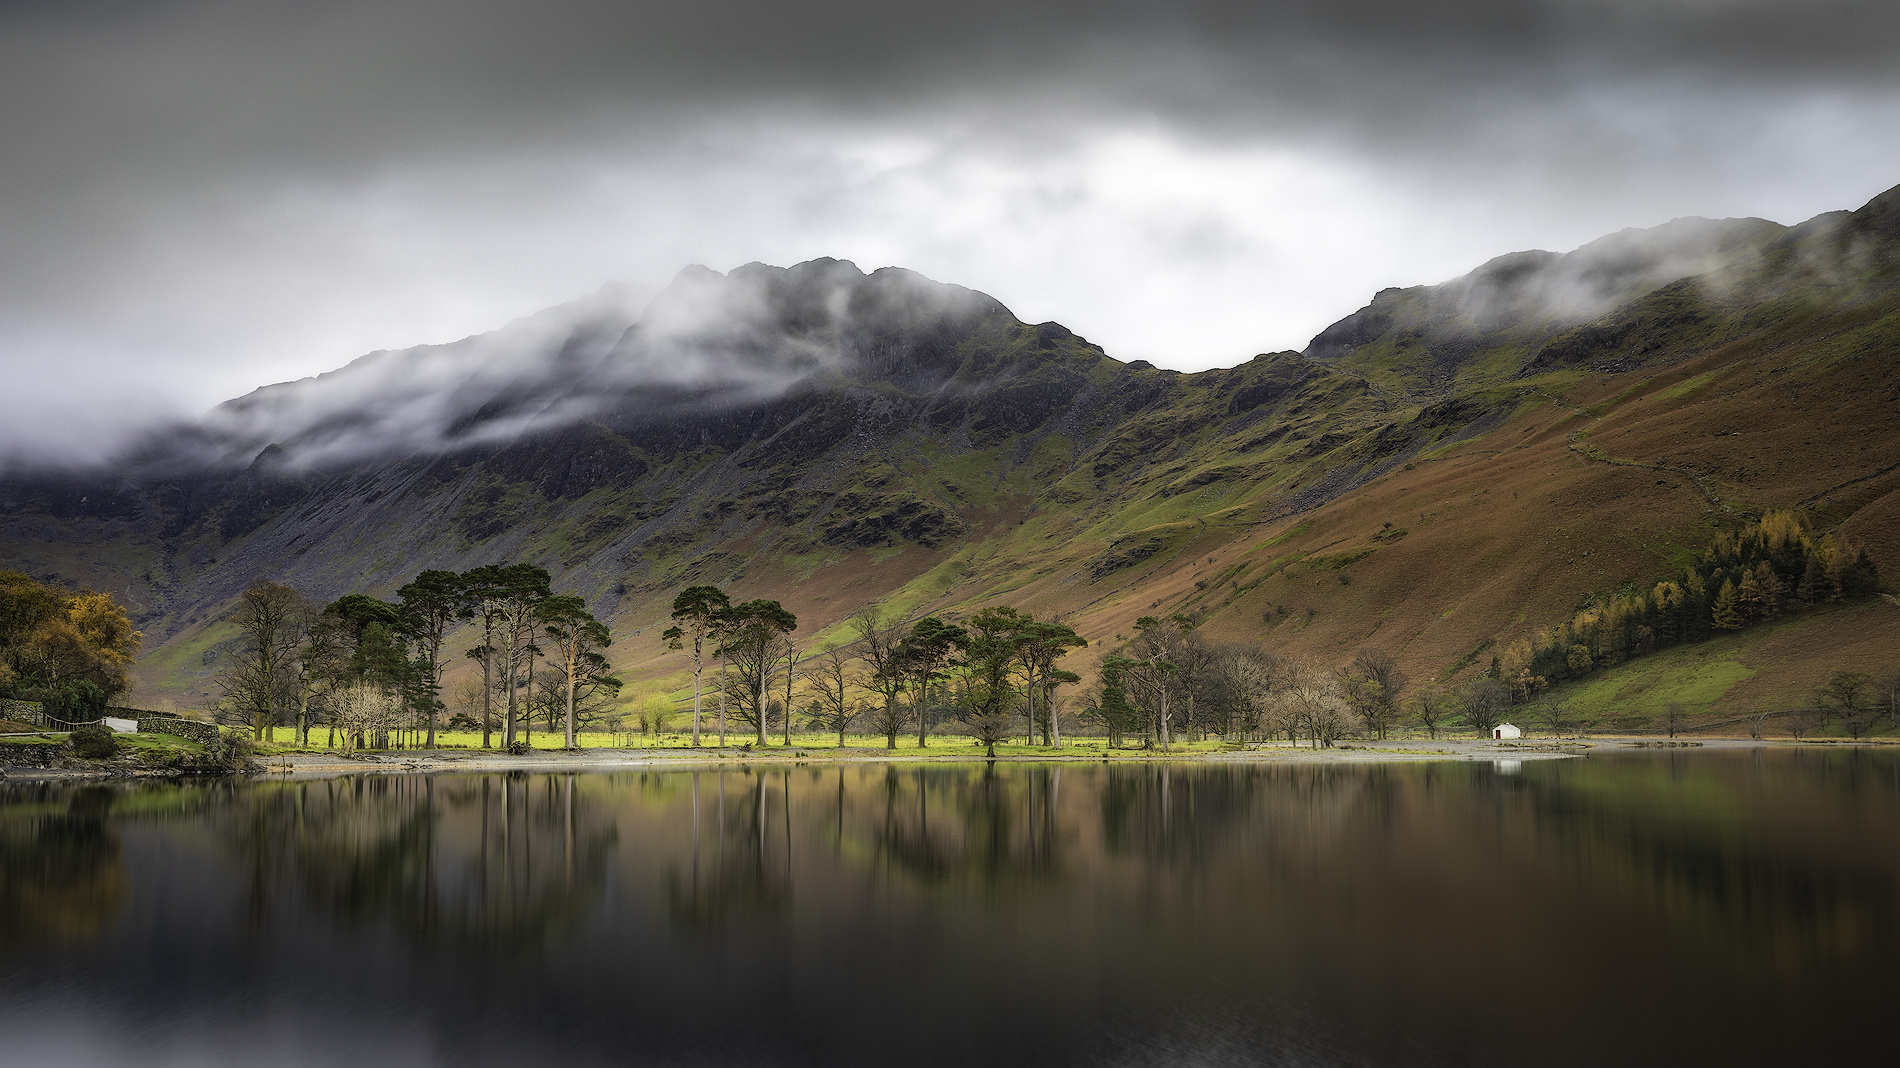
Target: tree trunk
[
  {"x": 696, "y": 670},
  {"x": 791, "y": 665},
  {"x": 488, "y": 693},
  {"x": 1166, "y": 741},
  {"x": 1032, "y": 711},
  {"x": 923, "y": 713},
  {"x": 572, "y": 668}
]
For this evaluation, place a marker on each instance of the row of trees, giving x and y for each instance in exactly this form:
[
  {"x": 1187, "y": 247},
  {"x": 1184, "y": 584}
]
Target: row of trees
[
  {"x": 1752, "y": 576},
  {"x": 983, "y": 672},
  {"x": 1170, "y": 679},
  {"x": 371, "y": 667},
  {"x": 998, "y": 671},
  {"x": 68, "y": 649}
]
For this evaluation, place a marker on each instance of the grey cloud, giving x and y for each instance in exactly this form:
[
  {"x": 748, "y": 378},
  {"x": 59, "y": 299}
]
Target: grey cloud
[{"x": 225, "y": 187}]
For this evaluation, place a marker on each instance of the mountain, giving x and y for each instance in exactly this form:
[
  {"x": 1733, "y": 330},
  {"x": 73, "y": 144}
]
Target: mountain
[{"x": 1450, "y": 466}]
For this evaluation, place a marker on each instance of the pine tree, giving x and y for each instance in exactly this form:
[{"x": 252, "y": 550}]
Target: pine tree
[
  {"x": 1813, "y": 585},
  {"x": 1725, "y": 613},
  {"x": 1749, "y": 599},
  {"x": 1772, "y": 590}
]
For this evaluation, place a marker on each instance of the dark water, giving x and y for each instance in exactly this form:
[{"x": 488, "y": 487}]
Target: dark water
[{"x": 1697, "y": 908}]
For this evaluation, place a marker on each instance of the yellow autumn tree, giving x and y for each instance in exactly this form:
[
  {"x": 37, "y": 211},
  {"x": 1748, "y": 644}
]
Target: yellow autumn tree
[{"x": 50, "y": 636}]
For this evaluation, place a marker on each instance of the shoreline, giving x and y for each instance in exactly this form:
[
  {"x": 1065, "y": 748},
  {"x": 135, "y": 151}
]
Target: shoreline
[
  {"x": 306, "y": 766},
  {"x": 423, "y": 762}
]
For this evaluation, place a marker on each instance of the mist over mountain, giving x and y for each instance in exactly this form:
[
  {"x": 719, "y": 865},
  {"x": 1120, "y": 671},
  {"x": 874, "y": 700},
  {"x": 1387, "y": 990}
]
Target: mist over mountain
[
  {"x": 1445, "y": 466},
  {"x": 707, "y": 342}
]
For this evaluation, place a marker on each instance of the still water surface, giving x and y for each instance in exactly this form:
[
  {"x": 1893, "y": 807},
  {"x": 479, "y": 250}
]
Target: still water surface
[{"x": 1733, "y": 907}]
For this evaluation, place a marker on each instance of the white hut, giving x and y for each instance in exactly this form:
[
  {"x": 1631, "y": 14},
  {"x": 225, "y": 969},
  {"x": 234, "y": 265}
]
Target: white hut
[{"x": 1506, "y": 730}]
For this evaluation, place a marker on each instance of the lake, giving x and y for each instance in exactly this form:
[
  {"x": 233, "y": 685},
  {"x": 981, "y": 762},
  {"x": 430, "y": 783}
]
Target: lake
[{"x": 1698, "y": 907}]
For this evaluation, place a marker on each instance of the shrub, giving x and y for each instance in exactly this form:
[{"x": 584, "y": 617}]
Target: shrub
[
  {"x": 233, "y": 750},
  {"x": 74, "y": 701},
  {"x": 94, "y": 742}
]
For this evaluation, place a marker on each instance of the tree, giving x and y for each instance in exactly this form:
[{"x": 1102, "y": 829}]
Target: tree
[
  {"x": 577, "y": 638},
  {"x": 1432, "y": 706},
  {"x": 1117, "y": 714},
  {"x": 749, "y": 636},
  {"x": 1251, "y": 673},
  {"x": 877, "y": 646},
  {"x": 262, "y": 677},
  {"x": 1556, "y": 718},
  {"x": 1146, "y": 681},
  {"x": 1845, "y": 696},
  {"x": 1726, "y": 612},
  {"x": 1483, "y": 701},
  {"x": 1038, "y": 646},
  {"x": 51, "y": 637},
  {"x": 1674, "y": 718},
  {"x": 322, "y": 666},
  {"x": 363, "y": 709},
  {"x": 485, "y": 589},
  {"x": 1801, "y": 721},
  {"x": 830, "y": 676},
  {"x": 1151, "y": 680},
  {"x": 1887, "y": 695},
  {"x": 432, "y": 603},
  {"x": 1313, "y": 700},
  {"x": 74, "y": 701},
  {"x": 504, "y": 599},
  {"x": 789, "y": 649},
  {"x": 989, "y": 651},
  {"x": 523, "y": 588},
  {"x": 925, "y": 652},
  {"x": 695, "y": 619},
  {"x": 1372, "y": 685}
]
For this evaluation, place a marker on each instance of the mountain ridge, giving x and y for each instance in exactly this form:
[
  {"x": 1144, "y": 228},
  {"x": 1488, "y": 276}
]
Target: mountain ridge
[{"x": 923, "y": 447}]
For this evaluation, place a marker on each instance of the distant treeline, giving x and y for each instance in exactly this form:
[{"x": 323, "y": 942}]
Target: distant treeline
[{"x": 1769, "y": 567}]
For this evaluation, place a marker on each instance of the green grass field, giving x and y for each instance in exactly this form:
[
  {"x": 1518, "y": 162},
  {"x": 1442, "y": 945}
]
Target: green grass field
[{"x": 283, "y": 740}]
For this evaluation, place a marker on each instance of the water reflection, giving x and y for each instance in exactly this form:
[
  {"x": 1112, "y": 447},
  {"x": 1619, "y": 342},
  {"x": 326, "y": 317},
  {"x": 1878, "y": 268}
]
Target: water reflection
[
  {"x": 61, "y": 876},
  {"x": 1454, "y": 913}
]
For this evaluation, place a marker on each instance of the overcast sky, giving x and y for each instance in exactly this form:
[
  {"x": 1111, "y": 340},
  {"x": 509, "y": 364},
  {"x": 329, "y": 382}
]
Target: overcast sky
[{"x": 199, "y": 196}]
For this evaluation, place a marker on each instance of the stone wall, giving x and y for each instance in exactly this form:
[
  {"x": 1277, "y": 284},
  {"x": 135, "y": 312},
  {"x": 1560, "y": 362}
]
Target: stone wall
[
  {"x": 23, "y": 711},
  {"x": 160, "y": 723},
  {"x": 24, "y": 755}
]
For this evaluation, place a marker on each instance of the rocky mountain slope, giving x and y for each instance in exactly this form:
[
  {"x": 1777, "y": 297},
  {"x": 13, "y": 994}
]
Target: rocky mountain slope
[{"x": 1451, "y": 465}]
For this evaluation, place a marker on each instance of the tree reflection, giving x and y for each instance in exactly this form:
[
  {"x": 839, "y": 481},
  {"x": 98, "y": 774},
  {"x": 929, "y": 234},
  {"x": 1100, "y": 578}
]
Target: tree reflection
[
  {"x": 503, "y": 860},
  {"x": 61, "y": 876},
  {"x": 737, "y": 866}
]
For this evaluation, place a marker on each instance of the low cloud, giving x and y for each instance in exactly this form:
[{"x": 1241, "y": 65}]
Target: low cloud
[{"x": 707, "y": 339}]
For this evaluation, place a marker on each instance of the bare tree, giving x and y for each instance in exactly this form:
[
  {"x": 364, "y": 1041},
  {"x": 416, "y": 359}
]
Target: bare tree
[
  {"x": 1674, "y": 718},
  {"x": 1313, "y": 701},
  {"x": 1757, "y": 723},
  {"x": 877, "y": 645},
  {"x": 1887, "y": 695},
  {"x": 263, "y": 678},
  {"x": 1483, "y": 701},
  {"x": 1373, "y": 684},
  {"x": 830, "y": 676},
  {"x": 1432, "y": 706},
  {"x": 364, "y": 709},
  {"x": 1251, "y": 672},
  {"x": 1802, "y": 721},
  {"x": 1845, "y": 696}
]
